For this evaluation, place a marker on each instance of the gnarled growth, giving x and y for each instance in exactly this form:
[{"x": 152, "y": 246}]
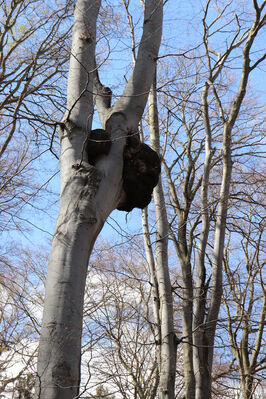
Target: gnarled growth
[{"x": 142, "y": 167}]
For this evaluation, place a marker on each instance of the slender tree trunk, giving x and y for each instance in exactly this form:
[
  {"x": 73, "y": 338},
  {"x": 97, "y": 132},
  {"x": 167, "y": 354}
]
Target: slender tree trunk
[
  {"x": 247, "y": 387},
  {"x": 217, "y": 275},
  {"x": 168, "y": 343},
  {"x": 187, "y": 317},
  {"x": 154, "y": 284},
  {"x": 200, "y": 348},
  {"x": 187, "y": 305},
  {"x": 183, "y": 252}
]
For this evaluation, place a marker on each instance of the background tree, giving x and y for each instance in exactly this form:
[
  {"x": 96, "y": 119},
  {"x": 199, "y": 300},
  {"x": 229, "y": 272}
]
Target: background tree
[
  {"x": 244, "y": 297},
  {"x": 159, "y": 271},
  {"x": 22, "y": 277},
  {"x": 33, "y": 54},
  {"x": 183, "y": 151},
  {"x": 32, "y": 59}
]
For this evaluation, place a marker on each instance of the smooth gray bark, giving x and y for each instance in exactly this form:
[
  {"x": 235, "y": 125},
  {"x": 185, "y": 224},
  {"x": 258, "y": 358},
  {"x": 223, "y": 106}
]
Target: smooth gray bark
[
  {"x": 76, "y": 230},
  {"x": 154, "y": 284},
  {"x": 88, "y": 194},
  {"x": 183, "y": 249},
  {"x": 168, "y": 343},
  {"x": 200, "y": 348}
]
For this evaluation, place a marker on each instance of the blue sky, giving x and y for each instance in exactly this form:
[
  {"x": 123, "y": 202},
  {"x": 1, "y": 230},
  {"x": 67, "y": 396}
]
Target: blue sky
[{"x": 182, "y": 29}]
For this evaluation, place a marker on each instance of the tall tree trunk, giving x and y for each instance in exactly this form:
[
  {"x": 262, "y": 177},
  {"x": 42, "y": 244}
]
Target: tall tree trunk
[
  {"x": 88, "y": 193},
  {"x": 199, "y": 340},
  {"x": 184, "y": 255},
  {"x": 154, "y": 283},
  {"x": 247, "y": 388},
  {"x": 187, "y": 314},
  {"x": 77, "y": 227},
  {"x": 168, "y": 344},
  {"x": 203, "y": 390}
]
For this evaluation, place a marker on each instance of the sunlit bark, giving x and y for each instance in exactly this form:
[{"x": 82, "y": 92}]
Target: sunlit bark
[
  {"x": 160, "y": 272},
  {"x": 84, "y": 192}
]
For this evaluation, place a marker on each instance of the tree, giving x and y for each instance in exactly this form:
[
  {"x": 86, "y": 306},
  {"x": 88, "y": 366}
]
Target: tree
[
  {"x": 166, "y": 342},
  {"x": 193, "y": 164},
  {"x": 205, "y": 320},
  {"x": 244, "y": 297},
  {"x": 119, "y": 337},
  {"x": 166, "y": 339},
  {"x": 31, "y": 67},
  {"x": 88, "y": 193},
  {"x": 33, "y": 39},
  {"x": 21, "y": 299},
  {"x": 204, "y": 137}
]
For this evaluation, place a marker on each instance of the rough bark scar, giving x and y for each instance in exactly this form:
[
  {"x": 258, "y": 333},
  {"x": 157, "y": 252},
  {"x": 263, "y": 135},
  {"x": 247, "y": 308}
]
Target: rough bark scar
[
  {"x": 87, "y": 36},
  {"x": 91, "y": 178}
]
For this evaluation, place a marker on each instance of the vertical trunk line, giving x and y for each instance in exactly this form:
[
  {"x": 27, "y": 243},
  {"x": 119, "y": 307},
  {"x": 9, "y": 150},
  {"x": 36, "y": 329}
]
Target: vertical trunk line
[
  {"x": 168, "y": 343},
  {"x": 200, "y": 346},
  {"x": 154, "y": 284}
]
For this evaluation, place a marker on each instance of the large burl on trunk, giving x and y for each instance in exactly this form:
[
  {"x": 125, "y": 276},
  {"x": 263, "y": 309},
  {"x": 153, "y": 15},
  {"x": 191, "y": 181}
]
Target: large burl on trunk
[
  {"x": 141, "y": 168},
  {"x": 141, "y": 172}
]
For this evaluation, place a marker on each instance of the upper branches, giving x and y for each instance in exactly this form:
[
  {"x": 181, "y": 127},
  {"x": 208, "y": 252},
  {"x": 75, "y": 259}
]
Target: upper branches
[
  {"x": 240, "y": 35},
  {"x": 31, "y": 58},
  {"x": 33, "y": 54},
  {"x": 134, "y": 97}
]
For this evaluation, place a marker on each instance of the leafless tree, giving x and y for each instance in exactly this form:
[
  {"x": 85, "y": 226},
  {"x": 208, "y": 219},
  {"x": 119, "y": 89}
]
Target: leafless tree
[
  {"x": 32, "y": 63},
  {"x": 118, "y": 324},
  {"x": 244, "y": 297},
  {"x": 198, "y": 155},
  {"x": 21, "y": 300},
  {"x": 88, "y": 192}
]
